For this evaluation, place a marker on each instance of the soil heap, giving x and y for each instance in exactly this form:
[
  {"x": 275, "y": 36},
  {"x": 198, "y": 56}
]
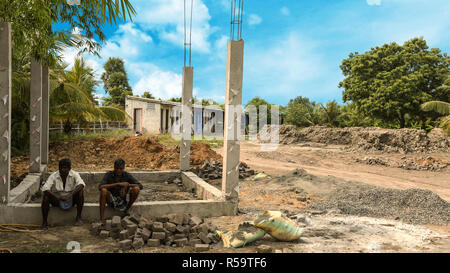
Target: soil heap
[{"x": 373, "y": 138}]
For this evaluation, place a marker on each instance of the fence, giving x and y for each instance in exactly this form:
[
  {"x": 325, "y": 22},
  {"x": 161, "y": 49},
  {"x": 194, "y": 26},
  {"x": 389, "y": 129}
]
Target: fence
[{"x": 94, "y": 127}]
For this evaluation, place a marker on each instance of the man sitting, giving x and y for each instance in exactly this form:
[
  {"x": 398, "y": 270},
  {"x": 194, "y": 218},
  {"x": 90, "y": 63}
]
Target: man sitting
[
  {"x": 63, "y": 189},
  {"x": 119, "y": 189}
]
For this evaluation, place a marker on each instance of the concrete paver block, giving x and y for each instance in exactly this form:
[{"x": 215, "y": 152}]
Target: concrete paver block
[
  {"x": 201, "y": 247},
  {"x": 153, "y": 242},
  {"x": 158, "y": 235}
]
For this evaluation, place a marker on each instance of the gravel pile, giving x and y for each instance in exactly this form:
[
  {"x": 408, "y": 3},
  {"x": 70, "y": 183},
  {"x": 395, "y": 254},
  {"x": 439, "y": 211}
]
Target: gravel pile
[{"x": 414, "y": 206}]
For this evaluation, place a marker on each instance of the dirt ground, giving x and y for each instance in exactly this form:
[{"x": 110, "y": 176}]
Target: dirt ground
[
  {"x": 330, "y": 170},
  {"x": 140, "y": 153}
]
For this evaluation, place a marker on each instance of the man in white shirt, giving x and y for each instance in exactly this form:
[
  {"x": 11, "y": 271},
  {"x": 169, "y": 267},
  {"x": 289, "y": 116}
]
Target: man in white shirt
[{"x": 63, "y": 189}]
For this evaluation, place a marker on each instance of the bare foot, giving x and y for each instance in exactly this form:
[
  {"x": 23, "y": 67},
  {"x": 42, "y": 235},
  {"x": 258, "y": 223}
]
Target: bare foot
[{"x": 78, "y": 222}]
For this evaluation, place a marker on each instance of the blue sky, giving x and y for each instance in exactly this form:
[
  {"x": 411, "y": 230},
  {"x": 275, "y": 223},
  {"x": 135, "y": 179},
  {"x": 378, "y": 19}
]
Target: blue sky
[{"x": 292, "y": 48}]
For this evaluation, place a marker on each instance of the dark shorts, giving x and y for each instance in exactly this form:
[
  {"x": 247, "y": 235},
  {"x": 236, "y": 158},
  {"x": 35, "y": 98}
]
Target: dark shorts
[{"x": 118, "y": 202}]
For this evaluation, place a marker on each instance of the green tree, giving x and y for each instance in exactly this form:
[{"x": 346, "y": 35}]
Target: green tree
[
  {"x": 301, "y": 112},
  {"x": 148, "y": 95},
  {"x": 115, "y": 82},
  {"x": 330, "y": 113},
  {"x": 257, "y": 101},
  {"x": 392, "y": 81},
  {"x": 83, "y": 76},
  {"x": 175, "y": 99},
  {"x": 350, "y": 117},
  {"x": 35, "y": 37}
]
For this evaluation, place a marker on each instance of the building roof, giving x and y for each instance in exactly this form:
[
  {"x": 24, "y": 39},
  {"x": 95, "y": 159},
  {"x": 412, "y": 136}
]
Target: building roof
[{"x": 165, "y": 102}]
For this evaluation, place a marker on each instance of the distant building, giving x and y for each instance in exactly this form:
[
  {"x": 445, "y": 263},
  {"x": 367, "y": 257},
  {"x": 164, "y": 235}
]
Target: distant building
[{"x": 151, "y": 116}]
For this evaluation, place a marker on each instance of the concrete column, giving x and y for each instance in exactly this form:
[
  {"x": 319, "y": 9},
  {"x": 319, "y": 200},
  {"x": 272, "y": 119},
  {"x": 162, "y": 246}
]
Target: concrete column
[
  {"x": 233, "y": 101},
  {"x": 35, "y": 116},
  {"x": 45, "y": 116},
  {"x": 5, "y": 111},
  {"x": 186, "y": 118}
]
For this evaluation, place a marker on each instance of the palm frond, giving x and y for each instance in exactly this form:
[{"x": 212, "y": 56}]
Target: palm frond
[{"x": 437, "y": 106}]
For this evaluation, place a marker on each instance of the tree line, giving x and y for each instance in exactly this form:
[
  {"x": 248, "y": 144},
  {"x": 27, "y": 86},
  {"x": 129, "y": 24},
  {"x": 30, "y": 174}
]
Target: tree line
[{"x": 392, "y": 86}]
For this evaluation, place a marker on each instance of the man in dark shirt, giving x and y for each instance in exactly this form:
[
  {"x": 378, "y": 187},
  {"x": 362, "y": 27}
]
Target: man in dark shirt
[{"x": 119, "y": 189}]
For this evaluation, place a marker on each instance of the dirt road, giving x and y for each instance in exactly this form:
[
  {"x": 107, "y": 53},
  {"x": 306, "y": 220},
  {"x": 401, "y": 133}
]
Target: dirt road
[{"x": 333, "y": 160}]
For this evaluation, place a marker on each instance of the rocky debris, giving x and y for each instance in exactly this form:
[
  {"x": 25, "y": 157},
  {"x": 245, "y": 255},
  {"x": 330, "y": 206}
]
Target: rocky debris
[
  {"x": 419, "y": 163},
  {"x": 413, "y": 206},
  {"x": 175, "y": 230},
  {"x": 264, "y": 249},
  {"x": 366, "y": 139},
  {"x": 211, "y": 170}
]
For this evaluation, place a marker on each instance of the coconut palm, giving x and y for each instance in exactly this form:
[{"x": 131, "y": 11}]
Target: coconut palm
[
  {"x": 440, "y": 107},
  {"x": 71, "y": 97}
]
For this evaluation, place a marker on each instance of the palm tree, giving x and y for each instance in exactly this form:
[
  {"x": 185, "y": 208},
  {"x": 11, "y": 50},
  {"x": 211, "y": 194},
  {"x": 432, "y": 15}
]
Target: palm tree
[
  {"x": 331, "y": 112},
  {"x": 440, "y": 107},
  {"x": 72, "y": 100}
]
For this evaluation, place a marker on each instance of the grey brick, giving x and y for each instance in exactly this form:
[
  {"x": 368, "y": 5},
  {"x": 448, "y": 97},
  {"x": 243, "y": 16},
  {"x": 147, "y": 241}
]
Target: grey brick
[
  {"x": 177, "y": 219},
  {"x": 181, "y": 242},
  {"x": 204, "y": 238},
  {"x": 138, "y": 243},
  {"x": 125, "y": 244},
  {"x": 170, "y": 227},
  {"x": 158, "y": 227},
  {"x": 193, "y": 242},
  {"x": 104, "y": 234},
  {"x": 201, "y": 247},
  {"x": 146, "y": 234},
  {"x": 153, "y": 242},
  {"x": 123, "y": 235},
  {"x": 158, "y": 235},
  {"x": 132, "y": 229},
  {"x": 115, "y": 221}
]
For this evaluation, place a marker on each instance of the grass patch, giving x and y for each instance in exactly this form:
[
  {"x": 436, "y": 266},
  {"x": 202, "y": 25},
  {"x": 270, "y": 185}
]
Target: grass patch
[
  {"x": 169, "y": 141},
  {"x": 120, "y": 133}
]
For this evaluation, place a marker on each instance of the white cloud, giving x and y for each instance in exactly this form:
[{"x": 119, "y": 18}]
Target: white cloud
[
  {"x": 373, "y": 2},
  {"x": 128, "y": 42},
  {"x": 254, "y": 19},
  {"x": 161, "y": 84},
  {"x": 285, "y": 11},
  {"x": 167, "y": 18}
]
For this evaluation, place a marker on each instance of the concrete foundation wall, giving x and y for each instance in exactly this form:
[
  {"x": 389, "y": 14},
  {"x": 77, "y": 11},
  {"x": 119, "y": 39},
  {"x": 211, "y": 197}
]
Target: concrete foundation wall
[
  {"x": 202, "y": 189},
  {"x": 26, "y": 188},
  {"x": 31, "y": 213},
  {"x": 91, "y": 178}
]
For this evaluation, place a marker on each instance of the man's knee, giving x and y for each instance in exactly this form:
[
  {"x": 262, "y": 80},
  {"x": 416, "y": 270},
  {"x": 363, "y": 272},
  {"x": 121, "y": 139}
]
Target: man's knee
[
  {"x": 103, "y": 192},
  {"x": 135, "y": 190}
]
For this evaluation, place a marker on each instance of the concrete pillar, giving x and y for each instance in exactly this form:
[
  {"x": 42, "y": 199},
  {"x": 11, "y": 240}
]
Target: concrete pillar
[
  {"x": 233, "y": 108},
  {"x": 45, "y": 116},
  {"x": 5, "y": 111},
  {"x": 35, "y": 116},
  {"x": 186, "y": 118}
]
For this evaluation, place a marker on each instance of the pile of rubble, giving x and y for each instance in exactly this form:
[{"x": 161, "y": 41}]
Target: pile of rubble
[
  {"x": 367, "y": 139},
  {"x": 175, "y": 230},
  {"x": 418, "y": 164},
  {"x": 211, "y": 170}
]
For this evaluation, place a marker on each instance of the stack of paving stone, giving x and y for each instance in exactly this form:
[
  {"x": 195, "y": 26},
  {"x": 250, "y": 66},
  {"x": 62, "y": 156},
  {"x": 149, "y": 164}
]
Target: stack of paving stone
[
  {"x": 175, "y": 230},
  {"x": 213, "y": 170}
]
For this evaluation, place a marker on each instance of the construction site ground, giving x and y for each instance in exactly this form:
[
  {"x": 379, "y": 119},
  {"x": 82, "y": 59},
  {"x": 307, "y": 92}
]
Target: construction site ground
[{"x": 344, "y": 201}]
